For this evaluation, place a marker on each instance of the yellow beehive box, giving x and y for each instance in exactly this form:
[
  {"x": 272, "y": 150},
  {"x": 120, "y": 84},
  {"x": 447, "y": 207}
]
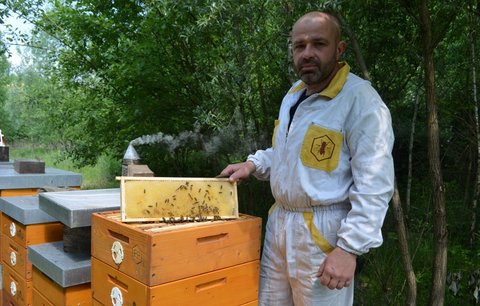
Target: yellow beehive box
[
  {"x": 233, "y": 286},
  {"x": 50, "y": 293},
  {"x": 156, "y": 253},
  {"x": 177, "y": 199}
]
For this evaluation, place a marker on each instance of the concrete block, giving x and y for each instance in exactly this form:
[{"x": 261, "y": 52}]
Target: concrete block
[
  {"x": 77, "y": 240},
  {"x": 75, "y": 208},
  {"x": 29, "y": 166},
  {"x": 4, "y": 154},
  {"x": 25, "y": 209},
  {"x": 66, "y": 269}
]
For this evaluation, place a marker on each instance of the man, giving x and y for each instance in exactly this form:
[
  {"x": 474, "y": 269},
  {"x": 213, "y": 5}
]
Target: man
[{"x": 331, "y": 173}]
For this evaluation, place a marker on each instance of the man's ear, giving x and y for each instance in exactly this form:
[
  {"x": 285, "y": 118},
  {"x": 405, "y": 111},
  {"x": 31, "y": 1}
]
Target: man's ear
[{"x": 340, "y": 49}]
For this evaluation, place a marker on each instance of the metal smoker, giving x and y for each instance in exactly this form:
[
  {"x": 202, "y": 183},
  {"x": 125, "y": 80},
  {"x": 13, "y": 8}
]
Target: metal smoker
[{"x": 131, "y": 157}]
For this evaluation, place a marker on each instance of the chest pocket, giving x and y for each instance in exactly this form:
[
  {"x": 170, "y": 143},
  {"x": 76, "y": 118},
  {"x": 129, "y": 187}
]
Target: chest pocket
[{"x": 321, "y": 148}]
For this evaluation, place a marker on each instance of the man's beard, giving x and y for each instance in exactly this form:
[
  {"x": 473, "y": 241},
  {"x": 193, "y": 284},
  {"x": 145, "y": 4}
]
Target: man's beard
[{"x": 317, "y": 74}]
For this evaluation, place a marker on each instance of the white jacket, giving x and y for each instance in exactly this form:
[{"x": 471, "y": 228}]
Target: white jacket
[{"x": 338, "y": 149}]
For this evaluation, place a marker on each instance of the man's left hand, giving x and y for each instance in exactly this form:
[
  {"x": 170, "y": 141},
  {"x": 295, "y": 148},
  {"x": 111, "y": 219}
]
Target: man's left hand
[{"x": 337, "y": 270}]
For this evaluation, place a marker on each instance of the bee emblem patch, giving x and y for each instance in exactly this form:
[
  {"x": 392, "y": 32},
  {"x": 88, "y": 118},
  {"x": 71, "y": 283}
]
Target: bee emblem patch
[{"x": 321, "y": 148}]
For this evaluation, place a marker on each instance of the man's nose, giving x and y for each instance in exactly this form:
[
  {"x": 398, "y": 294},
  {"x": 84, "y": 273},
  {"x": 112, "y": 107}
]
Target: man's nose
[{"x": 308, "y": 52}]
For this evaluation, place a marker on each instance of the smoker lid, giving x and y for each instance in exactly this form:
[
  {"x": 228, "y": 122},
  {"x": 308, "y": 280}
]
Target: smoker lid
[{"x": 131, "y": 153}]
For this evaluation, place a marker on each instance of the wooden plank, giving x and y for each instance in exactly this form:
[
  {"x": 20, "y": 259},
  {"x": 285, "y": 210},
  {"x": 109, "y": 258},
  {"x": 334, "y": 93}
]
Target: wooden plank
[
  {"x": 96, "y": 303},
  {"x": 8, "y": 300},
  {"x": 80, "y": 295},
  {"x": 39, "y": 299},
  {"x": 177, "y": 199},
  {"x": 155, "y": 258},
  {"x": 235, "y": 285}
]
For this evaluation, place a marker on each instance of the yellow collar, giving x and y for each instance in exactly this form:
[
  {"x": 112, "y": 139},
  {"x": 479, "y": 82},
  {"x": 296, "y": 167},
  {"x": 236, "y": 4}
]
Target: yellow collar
[{"x": 335, "y": 85}]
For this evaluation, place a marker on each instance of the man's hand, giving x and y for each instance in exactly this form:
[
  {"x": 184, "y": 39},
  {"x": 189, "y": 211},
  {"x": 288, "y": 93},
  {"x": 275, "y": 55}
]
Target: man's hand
[
  {"x": 238, "y": 172},
  {"x": 337, "y": 270}
]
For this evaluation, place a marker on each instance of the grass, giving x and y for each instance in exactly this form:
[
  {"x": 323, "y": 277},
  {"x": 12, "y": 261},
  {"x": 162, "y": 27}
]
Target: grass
[{"x": 99, "y": 176}]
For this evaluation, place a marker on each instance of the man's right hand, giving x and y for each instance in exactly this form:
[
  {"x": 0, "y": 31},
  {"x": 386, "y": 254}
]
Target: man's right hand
[{"x": 238, "y": 172}]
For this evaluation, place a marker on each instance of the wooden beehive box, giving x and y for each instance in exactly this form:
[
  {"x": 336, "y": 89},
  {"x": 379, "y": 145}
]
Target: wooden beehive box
[
  {"x": 177, "y": 199},
  {"x": 48, "y": 292},
  {"x": 237, "y": 285},
  {"x": 156, "y": 253},
  {"x": 26, "y": 235}
]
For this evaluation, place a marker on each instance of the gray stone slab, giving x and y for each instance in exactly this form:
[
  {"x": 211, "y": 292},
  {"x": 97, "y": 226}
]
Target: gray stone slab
[
  {"x": 66, "y": 269},
  {"x": 25, "y": 209},
  {"x": 75, "y": 208},
  {"x": 9, "y": 179}
]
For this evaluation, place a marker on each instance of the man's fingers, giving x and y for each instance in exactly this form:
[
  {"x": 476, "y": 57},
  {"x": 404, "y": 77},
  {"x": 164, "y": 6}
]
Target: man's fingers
[
  {"x": 333, "y": 284},
  {"x": 320, "y": 270},
  {"x": 341, "y": 285}
]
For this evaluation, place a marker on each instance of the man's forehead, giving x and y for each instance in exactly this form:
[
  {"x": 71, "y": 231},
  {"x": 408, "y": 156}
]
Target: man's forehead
[
  {"x": 316, "y": 22},
  {"x": 314, "y": 36}
]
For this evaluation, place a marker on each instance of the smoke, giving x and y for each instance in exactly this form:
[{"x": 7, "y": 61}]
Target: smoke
[
  {"x": 230, "y": 139},
  {"x": 171, "y": 142}
]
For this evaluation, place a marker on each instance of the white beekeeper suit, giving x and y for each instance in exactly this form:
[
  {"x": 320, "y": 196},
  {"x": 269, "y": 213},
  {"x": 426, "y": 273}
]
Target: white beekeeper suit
[{"x": 331, "y": 173}]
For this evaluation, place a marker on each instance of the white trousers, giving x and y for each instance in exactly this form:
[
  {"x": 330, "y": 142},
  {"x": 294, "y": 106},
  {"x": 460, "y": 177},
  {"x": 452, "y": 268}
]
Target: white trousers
[{"x": 292, "y": 256}]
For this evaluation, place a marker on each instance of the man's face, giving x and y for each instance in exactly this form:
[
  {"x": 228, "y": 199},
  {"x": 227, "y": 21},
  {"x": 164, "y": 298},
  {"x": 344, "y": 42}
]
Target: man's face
[{"x": 316, "y": 49}]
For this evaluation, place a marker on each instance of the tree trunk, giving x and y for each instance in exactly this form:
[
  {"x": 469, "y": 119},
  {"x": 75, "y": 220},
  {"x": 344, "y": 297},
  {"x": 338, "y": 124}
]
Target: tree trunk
[
  {"x": 356, "y": 48},
  {"x": 476, "y": 193},
  {"x": 410, "y": 156},
  {"x": 437, "y": 295},
  {"x": 396, "y": 202},
  {"x": 403, "y": 242}
]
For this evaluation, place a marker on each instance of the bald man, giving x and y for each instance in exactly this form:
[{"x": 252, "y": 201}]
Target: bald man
[{"x": 331, "y": 172}]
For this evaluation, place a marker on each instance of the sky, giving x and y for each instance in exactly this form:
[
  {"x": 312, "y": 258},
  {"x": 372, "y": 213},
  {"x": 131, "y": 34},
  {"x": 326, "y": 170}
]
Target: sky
[{"x": 19, "y": 26}]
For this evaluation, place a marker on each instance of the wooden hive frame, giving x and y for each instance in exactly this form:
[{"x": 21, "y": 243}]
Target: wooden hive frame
[{"x": 174, "y": 199}]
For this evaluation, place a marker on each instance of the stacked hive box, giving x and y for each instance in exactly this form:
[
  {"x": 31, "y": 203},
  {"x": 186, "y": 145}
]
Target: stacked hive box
[
  {"x": 61, "y": 270},
  {"x": 23, "y": 224},
  {"x": 14, "y": 184},
  {"x": 195, "y": 263}
]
